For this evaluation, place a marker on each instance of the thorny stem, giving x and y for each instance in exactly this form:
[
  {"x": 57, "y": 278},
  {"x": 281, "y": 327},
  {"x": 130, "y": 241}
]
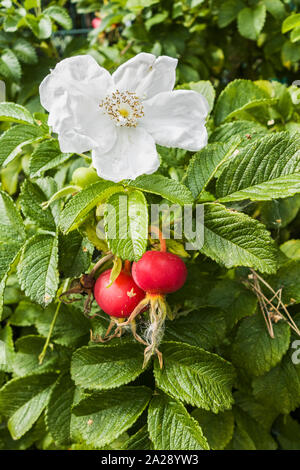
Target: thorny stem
[
  {"x": 264, "y": 302},
  {"x": 44, "y": 351}
]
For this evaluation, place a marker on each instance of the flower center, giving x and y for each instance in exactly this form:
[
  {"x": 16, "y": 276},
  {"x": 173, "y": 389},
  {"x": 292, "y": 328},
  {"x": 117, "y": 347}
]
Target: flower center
[{"x": 123, "y": 107}]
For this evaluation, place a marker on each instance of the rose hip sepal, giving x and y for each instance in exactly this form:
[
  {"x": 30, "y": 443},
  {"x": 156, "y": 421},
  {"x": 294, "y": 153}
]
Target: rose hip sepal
[{"x": 158, "y": 273}]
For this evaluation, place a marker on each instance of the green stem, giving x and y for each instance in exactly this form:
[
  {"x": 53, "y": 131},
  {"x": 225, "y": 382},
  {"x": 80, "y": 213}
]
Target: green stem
[
  {"x": 44, "y": 351},
  {"x": 39, "y": 8}
]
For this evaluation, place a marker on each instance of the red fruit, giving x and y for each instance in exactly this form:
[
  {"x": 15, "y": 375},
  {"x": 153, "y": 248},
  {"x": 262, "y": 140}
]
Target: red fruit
[
  {"x": 121, "y": 298},
  {"x": 159, "y": 272},
  {"x": 96, "y": 22}
]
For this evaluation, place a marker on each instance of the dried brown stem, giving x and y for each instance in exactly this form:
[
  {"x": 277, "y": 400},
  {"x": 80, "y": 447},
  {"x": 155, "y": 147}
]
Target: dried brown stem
[{"x": 269, "y": 310}]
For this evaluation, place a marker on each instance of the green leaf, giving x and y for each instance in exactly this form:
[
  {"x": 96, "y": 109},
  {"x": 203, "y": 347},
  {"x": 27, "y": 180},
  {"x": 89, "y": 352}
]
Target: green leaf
[
  {"x": 103, "y": 367},
  {"x": 228, "y": 12},
  {"x": 276, "y": 8},
  {"x": 11, "y": 224},
  {"x": 59, "y": 15},
  {"x": 10, "y": 176},
  {"x": 71, "y": 327},
  {"x": 10, "y": 67},
  {"x": 285, "y": 105},
  {"x": 43, "y": 29},
  {"x": 37, "y": 270},
  {"x": 156, "y": 19},
  {"x": 31, "y": 198},
  {"x": 171, "y": 427},
  {"x": 61, "y": 193},
  {"x": 234, "y": 299},
  {"x": 14, "y": 139},
  {"x": 251, "y": 21},
  {"x": 75, "y": 253},
  {"x": 41, "y": 26},
  {"x": 13, "y": 112},
  {"x": 280, "y": 387},
  {"x": 263, "y": 170},
  {"x": 295, "y": 35},
  {"x": 28, "y": 4},
  {"x": 126, "y": 224},
  {"x": 23, "y": 400},
  {"x": 287, "y": 279},
  {"x": 262, "y": 414},
  {"x": 278, "y": 213},
  {"x": 6, "y": 349},
  {"x": 291, "y": 22},
  {"x": 195, "y": 376},
  {"x": 8, "y": 443},
  {"x": 116, "y": 269},
  {"x": 9, "y": 253},
  {"x": 26, "y": 360},
  {"x": 101, "y": 417},
  {"x": 58, "y": 412},
  {"x": 234, "y": 239},
  {"x": 25, "y": 51},
  {"x": 287, "y": 432},
  {"x": 12, "y": 236},
  {"x": 11, "y": 22},
  {"x": 254, "y": 351},
  {"x": 139, "y": 441},
  {"x": 244, "y": 130},
  {"x": 45, "y": 157},
  {"x": 249, "y": 435},
  {"x": 164, "y": 187},
  {"x": 198, "y": 328},
  {"x": 204, "y": 165},
  {"x": 205, "y": 88},
  {"x": 290, "y": 53},
  {"x": 218, "y": 429},
  {"x": 25, "y": 313},
  {"x": 239, "y": 96},
  {"x": 291, "y": 249},
  {"x": 78, "y": 208}
]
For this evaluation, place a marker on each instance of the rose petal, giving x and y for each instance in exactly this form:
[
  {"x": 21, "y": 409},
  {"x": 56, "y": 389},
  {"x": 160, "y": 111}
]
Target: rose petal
[
  {"x": 76, "y": 75},
  {"x": 133, "y": 154},
  {"x": 177, "y": 119},
  {"x": 146, "y": 75},
  {"x": 72, "y": 93}
]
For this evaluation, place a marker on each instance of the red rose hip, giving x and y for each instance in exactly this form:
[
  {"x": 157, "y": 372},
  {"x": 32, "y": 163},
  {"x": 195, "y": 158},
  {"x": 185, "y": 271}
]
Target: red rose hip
[
  {"x": 96, "y": 22},
  {"x": 121, "y": 298},
  {"x": 159, "y": 272}
]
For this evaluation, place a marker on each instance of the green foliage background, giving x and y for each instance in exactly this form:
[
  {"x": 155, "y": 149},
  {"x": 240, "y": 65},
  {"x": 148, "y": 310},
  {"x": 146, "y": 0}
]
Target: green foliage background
[{"x": 225, "y": 383}]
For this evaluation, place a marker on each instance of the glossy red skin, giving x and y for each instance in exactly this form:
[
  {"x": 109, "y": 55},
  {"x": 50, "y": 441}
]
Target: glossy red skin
[
  {"x": 159, "y": 272},
  {"x": 121, "y": 298}
]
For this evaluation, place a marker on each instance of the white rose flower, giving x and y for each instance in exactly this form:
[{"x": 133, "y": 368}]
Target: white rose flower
[{"x": 120, "y": 117}]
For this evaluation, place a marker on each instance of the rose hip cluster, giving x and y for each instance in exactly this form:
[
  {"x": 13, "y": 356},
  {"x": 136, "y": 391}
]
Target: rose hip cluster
[{"x": 156, "y": 274}]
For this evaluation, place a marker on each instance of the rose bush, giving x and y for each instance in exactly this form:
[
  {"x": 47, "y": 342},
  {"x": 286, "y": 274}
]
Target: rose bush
[{"x": 223, "y": 366}]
